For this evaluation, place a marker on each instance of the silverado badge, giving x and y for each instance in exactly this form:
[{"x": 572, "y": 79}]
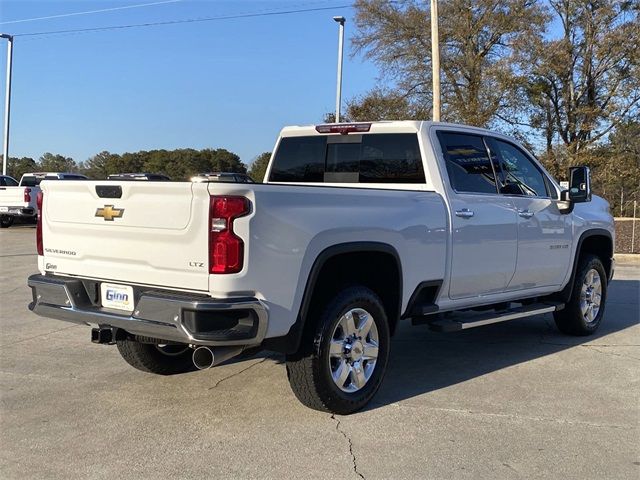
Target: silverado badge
[{"x": 109, "y": 213}]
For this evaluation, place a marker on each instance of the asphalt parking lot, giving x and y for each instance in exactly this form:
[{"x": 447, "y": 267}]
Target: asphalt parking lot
[{"x": 513, "y": 400}]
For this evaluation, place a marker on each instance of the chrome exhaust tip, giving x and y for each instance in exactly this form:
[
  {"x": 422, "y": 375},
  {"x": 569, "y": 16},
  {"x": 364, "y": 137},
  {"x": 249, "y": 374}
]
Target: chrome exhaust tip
[
  {"x": 207, "y": 357},
  {"x": 203, "y": 358}
]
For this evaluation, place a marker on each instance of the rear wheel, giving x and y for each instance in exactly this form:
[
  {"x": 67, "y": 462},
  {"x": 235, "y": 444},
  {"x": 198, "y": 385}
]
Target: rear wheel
[
  {"x": 340, "y": 365},
  {"x": 162, "y": 359},
  {"x": 6, "y": 221},
  {"x": 583, "y": 313}
]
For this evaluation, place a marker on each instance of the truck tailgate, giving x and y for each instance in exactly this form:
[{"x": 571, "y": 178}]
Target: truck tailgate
[
  {"x": 149, "y": 233},
  {"x": 12, "y": 197}
]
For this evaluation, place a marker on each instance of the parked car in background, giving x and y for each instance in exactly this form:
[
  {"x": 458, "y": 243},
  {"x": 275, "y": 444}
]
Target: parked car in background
[
  {"x": 154, "y": 177},
  {"x": 7, "y": 181},
  {"x": 18, "y": 199},
  {"x": 229, "y": 177}
]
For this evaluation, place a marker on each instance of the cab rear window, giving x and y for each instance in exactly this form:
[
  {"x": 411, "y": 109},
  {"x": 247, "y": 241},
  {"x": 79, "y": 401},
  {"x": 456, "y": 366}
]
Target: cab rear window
[
  {"x": 30, "y": 181},
  {"x": 366, "y": 158}
]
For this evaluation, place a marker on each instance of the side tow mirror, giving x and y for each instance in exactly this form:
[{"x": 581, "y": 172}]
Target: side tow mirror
[{"x": 579, "y": 185}]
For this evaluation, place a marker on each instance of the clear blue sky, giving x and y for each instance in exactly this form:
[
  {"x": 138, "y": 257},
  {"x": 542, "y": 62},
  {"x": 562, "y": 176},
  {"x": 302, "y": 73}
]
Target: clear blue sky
[{"x": 232, "y": 83}]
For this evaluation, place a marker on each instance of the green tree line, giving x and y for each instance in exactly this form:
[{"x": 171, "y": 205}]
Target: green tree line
[{"x": 179, "y": 164}]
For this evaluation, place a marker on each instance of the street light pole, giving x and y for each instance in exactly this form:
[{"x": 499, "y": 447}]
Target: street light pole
[
  {"x": 7, "y": 101},
  {"x": 435, "y": 60},
  {"x": 341, "y": 21}
]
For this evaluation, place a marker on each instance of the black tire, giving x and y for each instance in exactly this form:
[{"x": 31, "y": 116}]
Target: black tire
[
  {"x": 309, "y": 370},
  {"x": 6, "y": 221},
  {"x": 148, "y": 357},
  {"x": 571, "y": 319}
]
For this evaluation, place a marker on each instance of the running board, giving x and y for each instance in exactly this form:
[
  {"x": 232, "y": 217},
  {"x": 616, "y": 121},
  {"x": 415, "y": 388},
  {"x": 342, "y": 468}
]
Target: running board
[{"x": 478, "y": 320}]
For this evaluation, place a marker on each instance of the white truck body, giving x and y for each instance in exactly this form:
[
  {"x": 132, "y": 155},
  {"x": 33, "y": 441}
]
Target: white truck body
[
  {"x": 21, "y": 200},
  {"x": 453, "y": 249},
  {"x": 16, "y": 199}
]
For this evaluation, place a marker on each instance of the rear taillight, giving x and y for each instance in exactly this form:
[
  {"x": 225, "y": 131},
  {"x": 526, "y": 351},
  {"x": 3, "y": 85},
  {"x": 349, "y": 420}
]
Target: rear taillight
[
  {"x": 39, "y": 201},
  {"x": 27, "y": 195},
  {"x": 226, "y": 249}
]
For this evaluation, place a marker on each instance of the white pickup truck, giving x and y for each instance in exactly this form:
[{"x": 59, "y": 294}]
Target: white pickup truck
[
  {"x": 357, "y": 227},
  {"x": 18, "y": 200}
]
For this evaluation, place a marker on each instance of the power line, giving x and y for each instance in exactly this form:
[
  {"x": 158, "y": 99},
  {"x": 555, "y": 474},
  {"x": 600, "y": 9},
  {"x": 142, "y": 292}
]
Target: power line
[
  {"x": 63, "y": 15},
  {"x": 175, "y": 22}
]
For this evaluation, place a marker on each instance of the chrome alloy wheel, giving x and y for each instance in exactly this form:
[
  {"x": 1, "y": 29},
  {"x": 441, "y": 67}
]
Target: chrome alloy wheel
[
  {"x": 353, "y": 351},
  {"x": 591, "y": 295}
]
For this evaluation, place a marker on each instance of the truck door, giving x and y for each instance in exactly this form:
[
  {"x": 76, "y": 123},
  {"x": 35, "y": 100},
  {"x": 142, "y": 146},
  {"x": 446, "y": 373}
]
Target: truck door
[
  {"x": 484, "y": 223},
  {"x": 544, "y": 234}
]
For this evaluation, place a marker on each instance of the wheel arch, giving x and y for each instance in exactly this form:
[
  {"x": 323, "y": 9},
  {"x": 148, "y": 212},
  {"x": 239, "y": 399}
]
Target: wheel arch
[
  {"x": 334, "y": 261},
  {"x": 597, "y": 241}
]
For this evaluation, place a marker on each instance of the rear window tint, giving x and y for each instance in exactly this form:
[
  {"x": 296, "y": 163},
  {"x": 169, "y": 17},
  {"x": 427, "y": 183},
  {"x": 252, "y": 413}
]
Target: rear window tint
[
  {"x": 299, "y": 159},
  {"x": 468, "y": 163},
  {"x": 368, "y": 158},
  {"x": 30, "y": 181}
]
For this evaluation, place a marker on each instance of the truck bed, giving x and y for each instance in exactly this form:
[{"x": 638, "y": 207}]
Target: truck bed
[{"x": 158, "y": 235}]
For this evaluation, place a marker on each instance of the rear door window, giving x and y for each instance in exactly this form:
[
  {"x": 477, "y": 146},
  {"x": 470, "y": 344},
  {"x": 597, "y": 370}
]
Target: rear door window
[
  {"x": 367, "y": 158},
  {"x": 468, "y": 164}
]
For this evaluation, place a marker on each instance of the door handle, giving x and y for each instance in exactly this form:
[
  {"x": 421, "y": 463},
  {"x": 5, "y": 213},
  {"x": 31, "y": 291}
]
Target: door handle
[
  {"x": 464, "y": 213},
  {"x": 525, "y": 214}
]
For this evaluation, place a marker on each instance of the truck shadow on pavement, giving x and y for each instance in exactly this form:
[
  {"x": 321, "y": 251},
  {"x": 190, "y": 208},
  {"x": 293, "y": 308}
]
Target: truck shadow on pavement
[{"x": 423, "y": 361}]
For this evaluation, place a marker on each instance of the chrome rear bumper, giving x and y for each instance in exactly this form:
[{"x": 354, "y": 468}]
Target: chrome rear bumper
[
  {"x": 161, "y": 314},
  {"x": 26, "y": 212}
]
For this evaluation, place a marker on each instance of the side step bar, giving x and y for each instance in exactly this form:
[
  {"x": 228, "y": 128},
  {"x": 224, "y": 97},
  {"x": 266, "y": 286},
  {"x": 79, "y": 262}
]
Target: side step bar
[{"x": 454, "y": 324}]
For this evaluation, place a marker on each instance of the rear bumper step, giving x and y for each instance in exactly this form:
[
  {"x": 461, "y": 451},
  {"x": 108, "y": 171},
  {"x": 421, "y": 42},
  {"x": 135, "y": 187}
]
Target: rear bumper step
[
  {"x": 173, "y": 316},
  {"x": 465, "y": 322}
]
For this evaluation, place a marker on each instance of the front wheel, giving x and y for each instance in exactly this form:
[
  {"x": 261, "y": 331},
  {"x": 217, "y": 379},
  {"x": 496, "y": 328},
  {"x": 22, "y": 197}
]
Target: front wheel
[
  {"x": 160, "y": 359},
  {"x": 340, "y": 367},
  {"x": 583, "y": 313},
  {"x": 6, "y": 221}
]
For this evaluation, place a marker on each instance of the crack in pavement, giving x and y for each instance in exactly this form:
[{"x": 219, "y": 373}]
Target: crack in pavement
[
  {"x": 512, "y": 469},
  {"x": 516, "y": 416},
  {"x": 224, "y": 379},
  {"x": 14, "y": 289},
  {"x": 612, "y": 354},
  {"x": 603, "y": 345},
  {"x": 344, "y": 434},
  {"x": 38, "y": 336},
  {"x": 595, "y": 347}
]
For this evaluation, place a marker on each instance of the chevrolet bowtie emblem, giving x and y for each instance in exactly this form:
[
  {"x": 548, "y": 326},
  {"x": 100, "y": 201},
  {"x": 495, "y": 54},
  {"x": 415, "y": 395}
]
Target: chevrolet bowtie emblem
[{"x": 109, "y": 213}]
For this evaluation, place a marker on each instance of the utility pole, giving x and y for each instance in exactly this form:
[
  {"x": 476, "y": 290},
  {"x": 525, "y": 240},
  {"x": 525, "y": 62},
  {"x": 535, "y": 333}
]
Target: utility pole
[
  {"x": 7, "y": 102},
  {"x": 435, "y": 60},
  {"x": 341, "y": 21},
  {"x": 633, "y": 227}
]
